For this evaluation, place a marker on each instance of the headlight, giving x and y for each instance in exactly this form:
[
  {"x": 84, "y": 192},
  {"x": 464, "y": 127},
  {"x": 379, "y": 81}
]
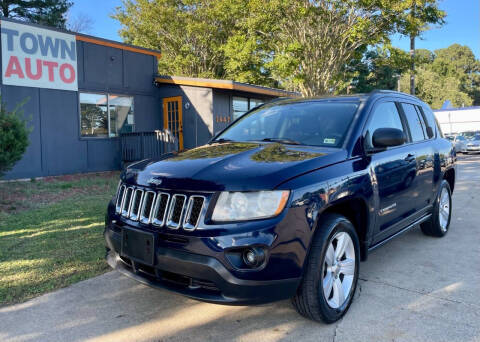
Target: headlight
[{"x": 241, "y": 206}]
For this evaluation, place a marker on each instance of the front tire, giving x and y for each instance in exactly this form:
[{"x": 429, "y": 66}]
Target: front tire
[
  {"x": 331, "y": 271},
  {"x": 439, "y": 222}
]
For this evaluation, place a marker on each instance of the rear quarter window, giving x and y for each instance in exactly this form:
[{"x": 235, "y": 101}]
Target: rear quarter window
[
  {"x": 415, "y": 122},
  {"x": 431, "y": 121}
]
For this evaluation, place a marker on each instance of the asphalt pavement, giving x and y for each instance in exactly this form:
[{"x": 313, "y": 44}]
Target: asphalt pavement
[{"x": 415, "y": 288}]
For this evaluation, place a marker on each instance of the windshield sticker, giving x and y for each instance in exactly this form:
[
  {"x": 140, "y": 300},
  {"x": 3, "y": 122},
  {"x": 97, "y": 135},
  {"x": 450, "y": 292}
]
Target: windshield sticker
[{"x": 329, "y": 141}]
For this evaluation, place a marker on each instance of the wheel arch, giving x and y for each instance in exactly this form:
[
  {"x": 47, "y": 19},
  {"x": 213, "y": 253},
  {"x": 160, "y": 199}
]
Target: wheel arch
[
  {"x": 355, "y": 209},
  {"x": 449, "y": 176}
]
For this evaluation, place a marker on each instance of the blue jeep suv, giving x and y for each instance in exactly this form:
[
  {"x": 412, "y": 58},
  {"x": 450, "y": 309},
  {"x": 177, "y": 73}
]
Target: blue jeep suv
[{"x": 285, "y": 202}]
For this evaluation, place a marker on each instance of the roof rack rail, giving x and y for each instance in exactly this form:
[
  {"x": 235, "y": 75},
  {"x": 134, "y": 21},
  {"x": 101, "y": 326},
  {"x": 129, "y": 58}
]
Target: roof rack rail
[{"x": 386, "y": 91}]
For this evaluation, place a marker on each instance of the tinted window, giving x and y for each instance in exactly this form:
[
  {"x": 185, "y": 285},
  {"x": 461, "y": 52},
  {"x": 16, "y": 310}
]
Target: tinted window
[
  {"x": 431, "y": 120},
  {"x": 385, "y": 115},
  {"x": 414, "y": 122},
  {"x": 460, "y": 138},
  {"x": 424, "y": 124},
  {"x": 317, "y": 123}
]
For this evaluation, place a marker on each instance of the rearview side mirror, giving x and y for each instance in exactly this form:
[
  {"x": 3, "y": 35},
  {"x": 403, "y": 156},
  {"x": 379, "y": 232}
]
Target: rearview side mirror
[{"x": 387, "y": 137}]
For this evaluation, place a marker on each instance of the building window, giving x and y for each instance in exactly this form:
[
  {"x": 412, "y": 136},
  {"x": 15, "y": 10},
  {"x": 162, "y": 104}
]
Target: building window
[
  {"x": 105, "y": 115},
  {"x": 242, "y": 104}
]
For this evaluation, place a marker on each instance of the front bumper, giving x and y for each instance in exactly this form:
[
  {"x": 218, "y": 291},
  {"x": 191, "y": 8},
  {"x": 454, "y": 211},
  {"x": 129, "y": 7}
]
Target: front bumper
[
  {"x": 473, "y": 148},
  {"x": 197, "y": 276}
]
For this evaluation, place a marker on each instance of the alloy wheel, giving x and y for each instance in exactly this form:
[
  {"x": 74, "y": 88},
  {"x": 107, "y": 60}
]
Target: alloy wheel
[
  {"x": 338, "y": 270},
  {"x": 444, "y": 209}
]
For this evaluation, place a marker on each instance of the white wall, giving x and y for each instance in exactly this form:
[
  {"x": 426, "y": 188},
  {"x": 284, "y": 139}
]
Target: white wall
[{"x": 459, "y": 120}]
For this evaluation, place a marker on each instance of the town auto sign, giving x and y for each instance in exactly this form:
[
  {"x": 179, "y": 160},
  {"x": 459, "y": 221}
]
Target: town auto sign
[{"x": 36, "y": 57}]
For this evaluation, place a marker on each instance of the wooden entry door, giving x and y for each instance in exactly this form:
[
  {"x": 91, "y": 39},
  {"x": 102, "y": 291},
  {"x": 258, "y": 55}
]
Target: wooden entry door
[{"x": 173, "y": 118}]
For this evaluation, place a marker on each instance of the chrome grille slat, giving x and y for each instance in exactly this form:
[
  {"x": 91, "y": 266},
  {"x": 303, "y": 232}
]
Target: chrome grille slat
[
  {"x": 136, "y": 204},
  {"x": 160, "y": 209},
  {"x": 176, "y": 211},
  {"x": 120, "y": 197},
  {"x": 127, "y": 201},
  {"x": 147, "y": 207},
  {"x": 193, "y": 212}
]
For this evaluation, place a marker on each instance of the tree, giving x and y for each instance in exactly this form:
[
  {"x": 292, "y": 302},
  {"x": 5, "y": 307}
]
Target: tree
[
  {"x": 321, "y": 37},
  {"x": 379, "y": 68},
  {"x": 13, "y": 137},
  {"x": 459, "y": 62},
  {"x": 190, "y": 33},
  {"x": 435, "y": 89},
  {"x": 46, "y": 12},
  {"x": 79, "y": 23},
  {"x": 301, "y": 45},
  {"x": 414, "y": 17},
  {"x": 451, "y": 74}
]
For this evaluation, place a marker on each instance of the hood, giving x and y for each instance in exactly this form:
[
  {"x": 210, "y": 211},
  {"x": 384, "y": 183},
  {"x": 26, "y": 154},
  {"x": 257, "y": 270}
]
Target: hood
[
  {"x": 473, "y": 143},
  {"x": 231, "y": 166}
]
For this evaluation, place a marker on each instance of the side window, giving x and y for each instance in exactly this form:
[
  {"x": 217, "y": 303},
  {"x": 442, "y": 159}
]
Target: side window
[
  {"x": 431, "y": 121},
  {"x": 415, "y": 122},
  {"x": 424, "y": 124},
  {"x": 385, "y": 115}
]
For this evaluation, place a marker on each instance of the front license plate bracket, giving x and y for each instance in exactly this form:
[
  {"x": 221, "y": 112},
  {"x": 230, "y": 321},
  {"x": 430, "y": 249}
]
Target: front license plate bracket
[{"x": 138, "y": 246}]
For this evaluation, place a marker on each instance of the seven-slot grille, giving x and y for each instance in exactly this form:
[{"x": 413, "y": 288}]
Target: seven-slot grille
[{"x": 159, "y": 208}]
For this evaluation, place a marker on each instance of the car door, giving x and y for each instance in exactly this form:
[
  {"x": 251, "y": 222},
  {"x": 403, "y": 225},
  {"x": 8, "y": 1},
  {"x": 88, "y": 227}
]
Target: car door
[
  {"x": 393, "y": 172},
  {"x": 424, "y": 153}
]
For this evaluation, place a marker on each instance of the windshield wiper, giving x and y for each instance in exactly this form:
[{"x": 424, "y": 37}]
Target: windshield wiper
[
  {"x": 220, "y": 141},
  {"x": 282, "y": 141}
]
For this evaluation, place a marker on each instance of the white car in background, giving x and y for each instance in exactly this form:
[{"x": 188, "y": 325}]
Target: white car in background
[
  {"x": 473, "y": 145},
  {"x": 460, "y": 144}
]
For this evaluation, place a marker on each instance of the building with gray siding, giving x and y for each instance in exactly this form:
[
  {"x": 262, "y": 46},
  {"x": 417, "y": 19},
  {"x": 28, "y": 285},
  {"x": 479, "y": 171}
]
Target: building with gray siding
[{"x": 81, "y": 93}]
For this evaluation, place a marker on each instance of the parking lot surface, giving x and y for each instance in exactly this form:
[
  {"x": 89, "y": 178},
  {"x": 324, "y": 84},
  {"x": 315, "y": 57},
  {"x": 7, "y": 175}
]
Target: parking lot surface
[{"x": 415, "y": 288}]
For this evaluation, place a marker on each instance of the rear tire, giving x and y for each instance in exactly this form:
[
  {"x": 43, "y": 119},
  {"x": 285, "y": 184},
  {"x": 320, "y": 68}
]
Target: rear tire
[
  {"x": 439, "y": 222},
  {"x": 331, "y": 271}
]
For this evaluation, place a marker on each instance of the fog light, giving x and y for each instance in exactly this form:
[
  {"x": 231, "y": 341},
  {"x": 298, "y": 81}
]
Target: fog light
[
  {"x": 254, "y": 257},
  {"x": 250, "y": 257}
]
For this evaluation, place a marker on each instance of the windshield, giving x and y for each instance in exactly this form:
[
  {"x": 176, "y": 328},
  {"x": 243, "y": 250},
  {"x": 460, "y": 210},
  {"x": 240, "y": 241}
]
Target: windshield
[{"x": 316, "y": 123}]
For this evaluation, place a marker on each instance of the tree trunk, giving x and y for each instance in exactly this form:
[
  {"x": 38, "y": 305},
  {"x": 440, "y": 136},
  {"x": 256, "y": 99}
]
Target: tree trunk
[
  {"x": 412, "y": 70},
  {"x": 412, "y": 53}
]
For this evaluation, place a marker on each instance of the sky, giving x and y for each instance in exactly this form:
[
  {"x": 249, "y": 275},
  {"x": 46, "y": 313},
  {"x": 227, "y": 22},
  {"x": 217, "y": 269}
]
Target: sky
[{"x": 462, "y": 24}]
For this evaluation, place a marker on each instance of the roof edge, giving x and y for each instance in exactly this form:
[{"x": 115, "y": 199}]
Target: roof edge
[{"x": 223, "y": 84}]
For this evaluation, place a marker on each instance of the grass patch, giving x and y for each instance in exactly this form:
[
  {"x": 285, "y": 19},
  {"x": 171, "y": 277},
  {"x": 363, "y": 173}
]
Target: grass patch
[{"x": 51, "y": 233}]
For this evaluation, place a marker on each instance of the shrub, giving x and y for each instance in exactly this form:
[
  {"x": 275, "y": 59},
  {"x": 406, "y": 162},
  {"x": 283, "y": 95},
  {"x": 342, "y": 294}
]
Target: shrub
[{"x": 13, "y": 136}]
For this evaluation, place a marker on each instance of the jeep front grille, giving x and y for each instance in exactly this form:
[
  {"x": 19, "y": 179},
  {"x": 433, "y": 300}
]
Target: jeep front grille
[{"x": 159, "y": 208}]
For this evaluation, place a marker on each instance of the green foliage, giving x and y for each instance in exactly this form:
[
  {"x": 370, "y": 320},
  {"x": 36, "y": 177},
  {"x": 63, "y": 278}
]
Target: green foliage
[
  {"x": 13, "y": 137},
  {"x": 415, "y": 16},
  {"x": 190, "y": 33},
  {"x": 296, "y": 44},
  {"x": 451, "y": 74},
  {"x": 46, "y": 12},
  {"x": 379, "y": 68}
]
